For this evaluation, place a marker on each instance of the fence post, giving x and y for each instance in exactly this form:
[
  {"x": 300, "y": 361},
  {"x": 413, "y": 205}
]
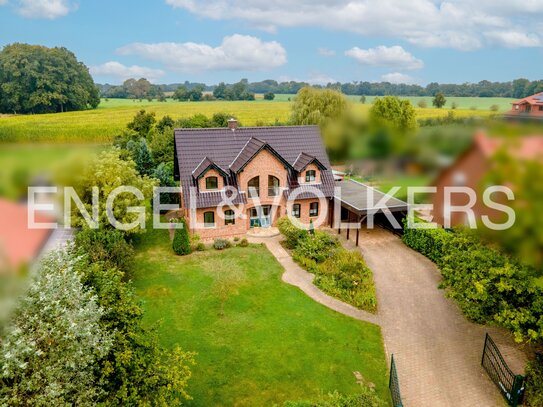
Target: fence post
[
  {"x": 517, "y": 391},
  {"x": 484, "y": 349}
]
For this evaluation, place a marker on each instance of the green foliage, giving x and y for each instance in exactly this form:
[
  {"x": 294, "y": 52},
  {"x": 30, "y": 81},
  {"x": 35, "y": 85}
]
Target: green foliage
[
  {"x": 236, "y": 91},
  {"x": 422, "y": 104},
  {"x": 135, "y": 89},
  {"x": 37, "y": 79},
  {"x": 494, "y": 108},
  {"x": 363, "y": 99},
  {"x": 317, "y": 247},
  {"x": 181, "y": 241},
  {"x": 487, "y": 285},
  {"x": 162, "y": 146},
  {"x": 107, "y": 171},
  {"x": 165, "y": 122},
  {"x": 221, "y": 244},
  {"x": 142, "y": 123},
  {"x": 141, "y": 155},
  {"x": 366, "y": 398},
  {"x": 292, "y": 233},
  {"x": 193, "y": 94},
  {"x": 439, "y": 100},
  {"x": 269, "y": 96},
  {"x": 105, "y": 246},
  {"x": 318, "y": 106},
  {"x": 393, "y": 112},
  {"x": 200, "y": 247},
  {"x": 50, "y": 354},
  {"x": 243, "y": 243},
  {"x": 533, "y": 396}
]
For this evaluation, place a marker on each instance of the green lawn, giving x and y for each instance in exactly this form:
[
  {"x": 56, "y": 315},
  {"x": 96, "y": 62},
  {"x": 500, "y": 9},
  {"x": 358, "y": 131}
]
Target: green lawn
[
  {"x": 259, "y": 340},
  {"x": 30, "y": 160}
]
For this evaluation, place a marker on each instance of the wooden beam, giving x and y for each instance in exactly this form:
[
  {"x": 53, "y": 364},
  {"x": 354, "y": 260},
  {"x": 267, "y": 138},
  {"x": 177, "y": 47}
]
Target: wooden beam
[{"x": 357, "y": 232}]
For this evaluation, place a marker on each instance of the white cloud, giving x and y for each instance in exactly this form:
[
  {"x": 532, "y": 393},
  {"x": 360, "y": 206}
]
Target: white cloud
[
  {"x": 49, "y": 9},
  {"x": 460, "y": 24},
  {"x": 118, "y": 71},
  {"x": 397, "y": 77},
  {"x": 326, "y": 52},
  {"x": 317, "y": 78},
  {"x": 394, "y": 56},
  {"x": 236, "y": 52},
  {"x": 514, "y": 39}
]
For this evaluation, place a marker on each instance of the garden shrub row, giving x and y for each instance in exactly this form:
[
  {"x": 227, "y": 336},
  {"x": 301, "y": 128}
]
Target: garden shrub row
[
  {"x": 489, "y": 288},
  {"x": 340, "y": 273}
]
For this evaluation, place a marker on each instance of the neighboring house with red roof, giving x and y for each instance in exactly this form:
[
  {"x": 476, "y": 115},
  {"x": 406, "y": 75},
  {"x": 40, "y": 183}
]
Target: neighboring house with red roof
[
  {"x": 470, "y": 170},
  {"x": 19, "y": 245},
  {"x": 530, "y": 107}
]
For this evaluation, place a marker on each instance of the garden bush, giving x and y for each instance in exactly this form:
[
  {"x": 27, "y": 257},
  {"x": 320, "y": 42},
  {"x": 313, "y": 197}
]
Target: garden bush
[
  {"x": 221, "y": 244},
  {"x": 200, "y": 247},
  {"x": 243, "y": 243},
  {"x": 317, "y": 247},
  {"x": 366, "y": 398},
  {"x": 292, "y": 233},
  {"x": 181, "y": 240},
  {"x": 533, "y": 396}
]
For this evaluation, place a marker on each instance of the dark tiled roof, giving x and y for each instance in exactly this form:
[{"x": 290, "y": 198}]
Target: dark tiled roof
[
  {"x": 204, "y": 165},
  {"x": 304, "y": 160},
  {"x": 222, "y": 146},
  {"x": 249, "y": 150}
]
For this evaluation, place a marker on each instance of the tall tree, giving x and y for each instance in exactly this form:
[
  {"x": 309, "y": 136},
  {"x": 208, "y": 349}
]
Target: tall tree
[
  {"x": 317, "y": 106},
  {"x": 37, "y": 79},
  {"x": 439, "y": 100}
]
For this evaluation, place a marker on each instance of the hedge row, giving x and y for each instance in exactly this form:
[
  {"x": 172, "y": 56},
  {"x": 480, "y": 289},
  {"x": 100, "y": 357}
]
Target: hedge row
[
  {"x": 488, "y": 286},
  {"x": 340, "y": 273}
]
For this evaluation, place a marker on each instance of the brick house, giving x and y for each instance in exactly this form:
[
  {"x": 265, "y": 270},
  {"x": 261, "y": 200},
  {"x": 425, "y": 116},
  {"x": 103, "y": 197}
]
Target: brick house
[
  {"x": 262, "y": 171},
  {"x": 470, "y": 169},
  {"x": 530, "y": 107}
]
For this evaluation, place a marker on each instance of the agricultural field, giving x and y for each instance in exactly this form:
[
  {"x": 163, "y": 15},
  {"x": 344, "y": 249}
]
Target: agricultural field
[
  {"x": 258, "y": 340},
  {"x": 102, "y": 124}
]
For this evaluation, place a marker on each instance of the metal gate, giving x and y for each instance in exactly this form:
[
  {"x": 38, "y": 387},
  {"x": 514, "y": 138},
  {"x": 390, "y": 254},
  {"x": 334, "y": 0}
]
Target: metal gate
[
  {"x": 510, "y": 385},
  {"x": 394, "y": 384}
]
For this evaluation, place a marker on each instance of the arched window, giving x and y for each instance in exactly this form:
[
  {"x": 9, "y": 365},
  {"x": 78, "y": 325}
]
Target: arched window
[
  {"x": 209, "y": 219},
  {"x": 229, "y": 217},
  {"x": 253, "y": 187},
  {"x": 212, "y": 183},
  {"x": 273, "y": 185},
  {"x": 310, "y": 176}
]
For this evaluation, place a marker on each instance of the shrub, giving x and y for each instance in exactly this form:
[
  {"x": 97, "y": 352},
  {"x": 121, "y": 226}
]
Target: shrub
[
  {"x": 107, "y": 246},
  {"x": 200, "y": 247},
  {"x": 236, "y": 239},
  {"x": 534, "y": 383},
  {"x": 243, "y": 243},
  {"x": 221, "y": 244},
  {"x": 181, "y": 241},
  {"x": 494, "y": 108},
  {"x": 292, "y": 233},
  {"x": 317, "y": 247},
  {"x": 422, "y": 104},
  {"x": 366, "y": 398}
]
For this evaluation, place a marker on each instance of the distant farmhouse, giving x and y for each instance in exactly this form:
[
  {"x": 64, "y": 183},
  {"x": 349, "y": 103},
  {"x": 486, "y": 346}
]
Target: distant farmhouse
[
  {"x": 530, "y": 107},
  {"x": 265, "y": 172},
  {"x": 470, "y": 170}
]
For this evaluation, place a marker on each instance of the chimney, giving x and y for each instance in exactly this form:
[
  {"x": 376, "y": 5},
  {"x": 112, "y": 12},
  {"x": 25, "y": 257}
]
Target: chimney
[{"x": 232, "y": 124}]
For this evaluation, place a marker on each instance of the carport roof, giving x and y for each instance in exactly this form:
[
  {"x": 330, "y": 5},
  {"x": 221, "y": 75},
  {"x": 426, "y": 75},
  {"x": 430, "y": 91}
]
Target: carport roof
[{"x": 362, "y": 198}]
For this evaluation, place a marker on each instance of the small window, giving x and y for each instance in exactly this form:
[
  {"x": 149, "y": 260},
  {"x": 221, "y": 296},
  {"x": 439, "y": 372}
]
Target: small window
[
  {"x": 540, "y": 108},
  {"x": 209, "y": 219},
  {"x": 229, "y": 217},
  {"x": 253, "y": 187},
  {"x": 314, "y": 209},
  {"x": 310, "y": 176},
  {"x": 212, "y": 183},
  {"x": 296, "y": 210}
]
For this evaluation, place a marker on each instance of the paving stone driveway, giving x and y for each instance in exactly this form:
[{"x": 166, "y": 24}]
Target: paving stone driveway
[{"x": 437, "y": 351}]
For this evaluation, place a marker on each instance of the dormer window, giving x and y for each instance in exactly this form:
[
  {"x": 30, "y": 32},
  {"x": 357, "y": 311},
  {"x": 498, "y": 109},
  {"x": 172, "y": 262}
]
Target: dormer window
[
  {"x": 310, "y": 176},
  {"x": 212, "y": 183}
]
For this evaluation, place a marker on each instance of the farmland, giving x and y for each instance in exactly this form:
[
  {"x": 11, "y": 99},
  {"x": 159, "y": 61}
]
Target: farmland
[{"x": 102, "y": 124}]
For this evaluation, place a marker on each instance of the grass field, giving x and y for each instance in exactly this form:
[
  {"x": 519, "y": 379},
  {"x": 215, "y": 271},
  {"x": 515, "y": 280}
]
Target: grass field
[
  {"x": 27, "y": 161},
  {"x": 102, "y": 124},
  {"x": 259, "y": 340}
]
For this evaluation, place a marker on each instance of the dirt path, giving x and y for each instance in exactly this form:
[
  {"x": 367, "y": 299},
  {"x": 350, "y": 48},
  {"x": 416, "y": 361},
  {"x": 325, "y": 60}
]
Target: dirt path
[{"x": 437, "y": 351}]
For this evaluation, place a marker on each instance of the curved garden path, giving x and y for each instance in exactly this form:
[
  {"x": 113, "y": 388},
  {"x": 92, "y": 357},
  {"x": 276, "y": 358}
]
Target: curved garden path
[{"x": 437, "y": 351}]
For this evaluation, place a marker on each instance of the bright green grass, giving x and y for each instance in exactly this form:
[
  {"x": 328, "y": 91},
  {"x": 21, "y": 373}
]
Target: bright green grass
[
  {"x": 36, "y": 159},
  {"x": 103, "y": 124},
  {"x": 268, "y": 343}
]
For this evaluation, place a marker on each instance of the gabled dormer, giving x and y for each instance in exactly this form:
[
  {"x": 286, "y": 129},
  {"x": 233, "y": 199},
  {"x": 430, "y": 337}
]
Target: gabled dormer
[
  {"x": 208, "y": 176},
  {"x": 308, "y": 168}
]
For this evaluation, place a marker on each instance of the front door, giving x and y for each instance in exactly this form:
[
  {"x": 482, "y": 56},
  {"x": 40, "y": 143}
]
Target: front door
[{"x": 260, "y": 216}]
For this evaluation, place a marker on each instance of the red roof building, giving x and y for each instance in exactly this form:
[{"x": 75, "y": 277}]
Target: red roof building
[
  {"x": 530, "y": 107},
  {"x": 19, "y": 245}
]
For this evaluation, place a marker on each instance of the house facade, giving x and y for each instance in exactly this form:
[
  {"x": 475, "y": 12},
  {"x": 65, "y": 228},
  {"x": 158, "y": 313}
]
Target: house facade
[
  {"x": 470, "y": 170},
  {"x": 234, "y": 179},
  {"x": 530, "y": 107}
]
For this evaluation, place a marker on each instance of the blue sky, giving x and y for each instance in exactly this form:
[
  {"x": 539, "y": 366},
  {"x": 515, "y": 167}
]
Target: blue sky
[{"x": 415, "y": 41}]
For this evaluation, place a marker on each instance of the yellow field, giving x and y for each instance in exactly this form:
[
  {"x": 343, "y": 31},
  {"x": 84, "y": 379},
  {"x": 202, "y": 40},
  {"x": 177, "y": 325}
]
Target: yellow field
[{"x": 102, "y": 124}]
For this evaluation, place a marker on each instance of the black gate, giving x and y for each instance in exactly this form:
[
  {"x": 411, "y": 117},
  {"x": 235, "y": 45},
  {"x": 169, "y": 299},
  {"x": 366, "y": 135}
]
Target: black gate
[
  {"x": 394, "y": 385},
  {"x": 510, "y": 385}
]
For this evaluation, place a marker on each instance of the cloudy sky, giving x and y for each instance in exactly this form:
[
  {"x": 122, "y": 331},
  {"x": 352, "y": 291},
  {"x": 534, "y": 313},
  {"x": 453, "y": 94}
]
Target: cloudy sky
[{"x": 414, "y": 41}]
